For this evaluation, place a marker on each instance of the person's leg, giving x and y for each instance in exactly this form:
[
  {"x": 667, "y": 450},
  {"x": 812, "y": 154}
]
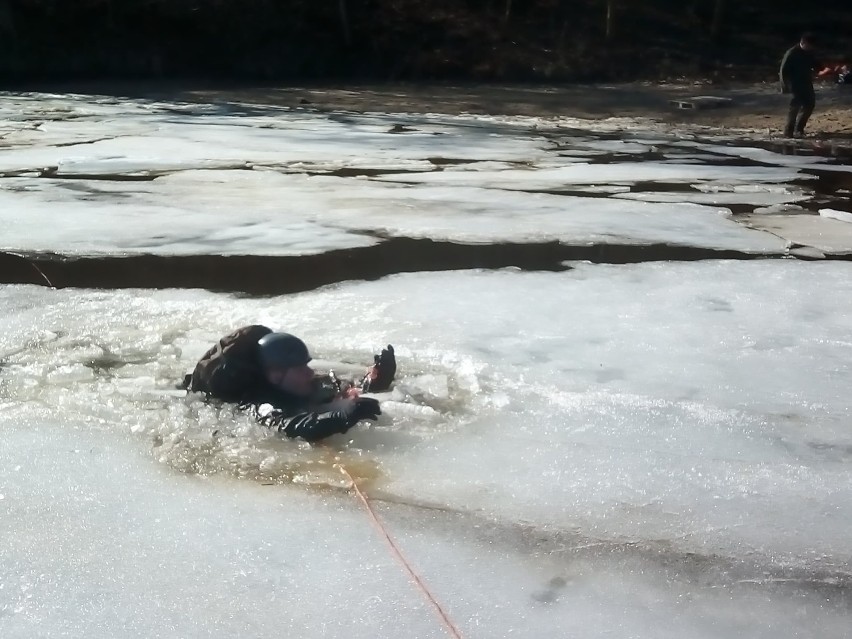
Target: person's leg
[
  {"x": 808, "y": 101},
  {"x": 795, "y": 105}
]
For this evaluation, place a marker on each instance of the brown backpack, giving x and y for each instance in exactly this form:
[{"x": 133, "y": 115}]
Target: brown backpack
[{"x": 231, "y": 367}]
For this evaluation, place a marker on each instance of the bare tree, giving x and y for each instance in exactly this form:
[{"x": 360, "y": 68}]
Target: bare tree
[
  {"x": 7, "y": 23},
  {"x": 718, "y": 15},
  {"x": 344, "y": 22},
  {"x": 610, "y": 11}
]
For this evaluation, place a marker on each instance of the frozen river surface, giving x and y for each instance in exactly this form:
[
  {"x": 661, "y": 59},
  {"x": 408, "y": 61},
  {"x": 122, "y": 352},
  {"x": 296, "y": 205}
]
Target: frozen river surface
[{"x": 600, "y": 428}]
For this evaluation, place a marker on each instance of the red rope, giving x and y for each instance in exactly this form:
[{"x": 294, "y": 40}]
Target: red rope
[{"x": 397, "y": 553}]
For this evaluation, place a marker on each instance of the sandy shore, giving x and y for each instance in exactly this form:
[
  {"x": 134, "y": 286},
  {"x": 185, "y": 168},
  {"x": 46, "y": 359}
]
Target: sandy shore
[{"x": 753, "y": 108}]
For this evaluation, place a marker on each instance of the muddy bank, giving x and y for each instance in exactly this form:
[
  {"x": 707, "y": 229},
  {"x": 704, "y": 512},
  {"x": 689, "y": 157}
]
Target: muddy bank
[{"x": 753, "y": 107}]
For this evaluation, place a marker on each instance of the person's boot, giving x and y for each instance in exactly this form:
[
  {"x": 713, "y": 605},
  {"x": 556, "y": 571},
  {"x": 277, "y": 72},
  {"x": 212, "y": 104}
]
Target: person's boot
[
  {"x": 792, "y": 116},
  {"x": 802, "y": 121}
]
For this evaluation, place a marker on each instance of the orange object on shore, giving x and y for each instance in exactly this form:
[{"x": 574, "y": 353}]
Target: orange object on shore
[{"x": 833, "y": 70}]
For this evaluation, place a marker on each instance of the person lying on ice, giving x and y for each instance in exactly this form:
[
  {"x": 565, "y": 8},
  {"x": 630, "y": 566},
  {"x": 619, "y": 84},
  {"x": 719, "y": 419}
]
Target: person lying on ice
[{"x": 267, "y": 374}]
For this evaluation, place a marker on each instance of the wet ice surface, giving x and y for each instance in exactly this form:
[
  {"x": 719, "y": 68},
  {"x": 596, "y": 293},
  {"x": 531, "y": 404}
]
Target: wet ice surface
[
  {"x": 135, "y": 550},
  {"x": 652, "y": 442},
  {"x": 274, "y": 181},
  {"x": 655, "y": 450},
  {"x": 274, "y": 214}
]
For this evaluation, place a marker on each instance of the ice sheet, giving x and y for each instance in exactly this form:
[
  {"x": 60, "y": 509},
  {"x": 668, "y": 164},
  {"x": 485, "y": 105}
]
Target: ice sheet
[
  {"x": 266, "y": 212},
  {"x": 225, "y": 213},
  {"x": 718, "y": 198},
  {"x": 98, "y": 542},
  {"x": 843, "y": 216},
  {"x": 765, "y": 156},
  {"x": 702, "y": 405},
  {"x": 144, "y": 137},
  {"x": 820, "y": 232},
  {"x": 658, "y": 449},
  {"x": 96, "y": 175},
  {"x": 621, "y": 173}
]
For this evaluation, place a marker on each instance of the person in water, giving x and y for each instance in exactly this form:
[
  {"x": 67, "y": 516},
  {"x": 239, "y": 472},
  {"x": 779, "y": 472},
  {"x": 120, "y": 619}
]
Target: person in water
[{"x": 268, "y": 374}]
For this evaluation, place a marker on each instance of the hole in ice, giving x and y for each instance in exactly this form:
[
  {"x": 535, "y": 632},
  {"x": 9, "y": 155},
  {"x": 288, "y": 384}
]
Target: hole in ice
[{"x": 128, "y": 384}]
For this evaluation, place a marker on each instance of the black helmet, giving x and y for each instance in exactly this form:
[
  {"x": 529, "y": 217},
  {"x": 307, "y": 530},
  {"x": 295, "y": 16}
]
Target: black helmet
[{"x": 282, "y": 350}]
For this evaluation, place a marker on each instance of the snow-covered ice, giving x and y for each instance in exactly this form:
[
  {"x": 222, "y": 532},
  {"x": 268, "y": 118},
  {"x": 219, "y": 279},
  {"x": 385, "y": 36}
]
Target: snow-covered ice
[
  {"x": 648, "y": 450},
  {"x": 98, "y": 176},
  {"x": 99, "y": 544},
  {"x": 239, "y": 212},
  {"x": 676, "y": 410},
  {"x": 823, "y": 232}
]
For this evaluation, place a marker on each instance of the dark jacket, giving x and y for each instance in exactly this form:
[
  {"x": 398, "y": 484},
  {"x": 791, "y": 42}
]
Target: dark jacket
[
  {"x": 230, "y": 371},
  {"x": 294, "y": 416},
  {"x": 797, "y": 68}
]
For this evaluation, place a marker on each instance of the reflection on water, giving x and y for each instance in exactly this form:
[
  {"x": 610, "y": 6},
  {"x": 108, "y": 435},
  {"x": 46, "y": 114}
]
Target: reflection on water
[{"x": 268, "y": 461}]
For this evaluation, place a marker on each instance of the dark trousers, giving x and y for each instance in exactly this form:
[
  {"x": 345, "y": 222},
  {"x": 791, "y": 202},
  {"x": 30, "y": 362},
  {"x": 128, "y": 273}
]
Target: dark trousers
[{"x": 801, "y": 107}]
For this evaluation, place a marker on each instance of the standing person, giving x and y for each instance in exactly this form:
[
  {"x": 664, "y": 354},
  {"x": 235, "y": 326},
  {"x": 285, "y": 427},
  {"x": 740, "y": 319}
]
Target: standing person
[{"x": 796, "y": 74}]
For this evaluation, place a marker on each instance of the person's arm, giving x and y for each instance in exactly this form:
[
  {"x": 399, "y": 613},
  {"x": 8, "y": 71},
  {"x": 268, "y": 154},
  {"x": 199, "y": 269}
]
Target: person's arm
[
  {"x": 784, "y": 73},
  {"x": 310, "y": 426},
  {"x": 313, "y": 426}
]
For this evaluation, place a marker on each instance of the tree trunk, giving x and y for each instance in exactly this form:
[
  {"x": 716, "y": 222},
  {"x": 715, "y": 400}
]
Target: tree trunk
[
  {"x": 508, "y": 12},
  {"x": 609, "y": 16},
  {"x": 718, "y": 14},
  {"x": 344, "y": 23},
  {"x": 7, "y": 23}
]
